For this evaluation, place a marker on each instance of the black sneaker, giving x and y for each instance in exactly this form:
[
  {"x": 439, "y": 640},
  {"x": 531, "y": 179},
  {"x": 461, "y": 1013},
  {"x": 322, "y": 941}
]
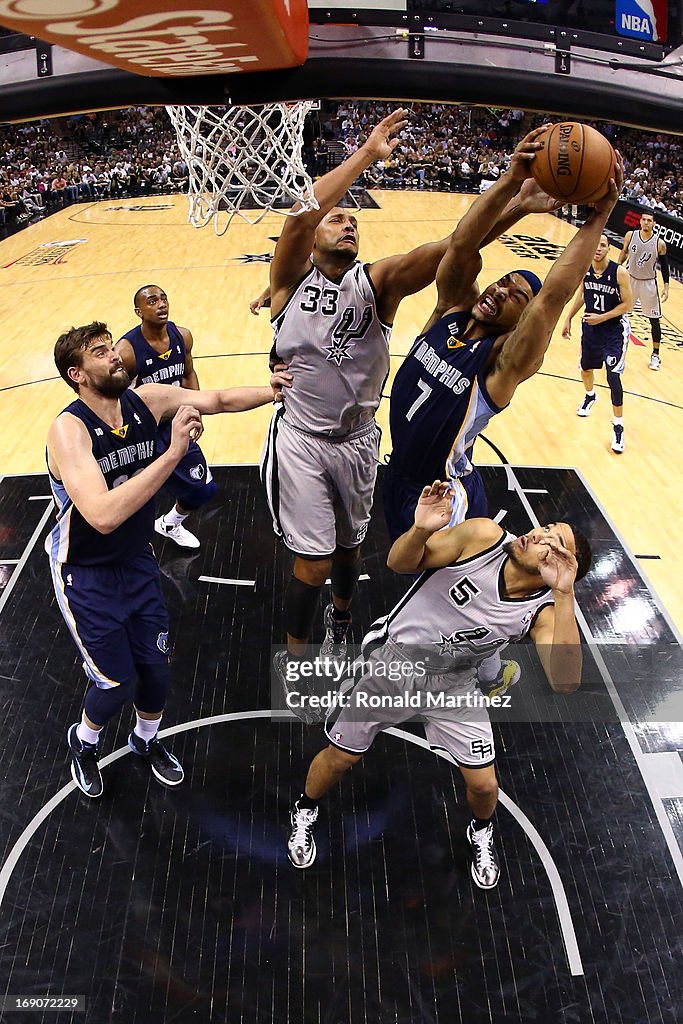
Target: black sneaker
[
  {"x": 334, "y": 644},
  {"x": 165, "y": 767},
  {"x": 85, "y": 771},
  {"x": 586, "y": 406},
  {"x": 301, "y": 844},
  {"x": 485, "y": 865}
]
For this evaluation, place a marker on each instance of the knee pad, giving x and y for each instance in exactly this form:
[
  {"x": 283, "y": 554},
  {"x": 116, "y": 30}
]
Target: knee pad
[
  {"x": 102, "y": 704},
  {"x": 656, "y": 326},
  {"x": 192, "y": 498},
  {"x": 345, "y": 573},
  {"x": 301, "y": 604},
  {"x": 154, "y": 682},
  {"x": 616, "y": 387}
]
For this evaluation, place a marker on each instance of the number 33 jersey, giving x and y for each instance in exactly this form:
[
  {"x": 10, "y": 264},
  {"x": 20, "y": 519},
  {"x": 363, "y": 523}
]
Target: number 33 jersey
[
  {"x": 439, "y": 402},
  {"x": 337, "y": 349}
]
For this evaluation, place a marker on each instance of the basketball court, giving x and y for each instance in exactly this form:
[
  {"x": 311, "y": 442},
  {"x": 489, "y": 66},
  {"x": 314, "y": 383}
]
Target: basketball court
[{"x": 157, "y": 905}]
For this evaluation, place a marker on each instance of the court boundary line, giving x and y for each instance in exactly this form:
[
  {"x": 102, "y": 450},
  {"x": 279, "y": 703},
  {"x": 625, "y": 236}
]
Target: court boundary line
[{"x": 559, "y": 894}]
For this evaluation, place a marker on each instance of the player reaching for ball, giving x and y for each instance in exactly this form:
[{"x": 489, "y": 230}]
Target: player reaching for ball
[{"x": 476, "y": 349}]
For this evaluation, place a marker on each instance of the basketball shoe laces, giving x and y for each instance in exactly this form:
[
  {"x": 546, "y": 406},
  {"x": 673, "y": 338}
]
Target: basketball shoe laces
[
  {"x": 303, "y": 821},
  {"x": 482, "y": 840}
]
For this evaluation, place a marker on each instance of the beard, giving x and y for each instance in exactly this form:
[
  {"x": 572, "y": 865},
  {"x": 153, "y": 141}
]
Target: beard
[{"x": 113, "y": 386}]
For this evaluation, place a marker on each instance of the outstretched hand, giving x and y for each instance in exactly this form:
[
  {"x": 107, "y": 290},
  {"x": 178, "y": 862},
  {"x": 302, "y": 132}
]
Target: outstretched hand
[
  {"x": 558, "y": 566},
  {"x": 379, "y": 143},
  {"x": 433, "y": 510},
  {"x": 526, "y": 150}
]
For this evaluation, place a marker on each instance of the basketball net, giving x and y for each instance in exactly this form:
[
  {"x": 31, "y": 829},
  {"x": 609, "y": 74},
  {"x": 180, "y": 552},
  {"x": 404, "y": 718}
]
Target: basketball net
[{"x": 243, "y": 161}]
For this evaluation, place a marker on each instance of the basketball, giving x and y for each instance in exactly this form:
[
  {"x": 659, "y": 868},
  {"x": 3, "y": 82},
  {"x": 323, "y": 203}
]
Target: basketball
[{"x": 575, "y": 163}]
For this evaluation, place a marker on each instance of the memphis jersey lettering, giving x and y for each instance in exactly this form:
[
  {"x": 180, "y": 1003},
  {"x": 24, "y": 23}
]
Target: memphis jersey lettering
[
  {"x": 439, "y": 402},
  {"x": 120, "y": 454},
  {"x": 152, "y": 367},
  {"x": 337, "y": 349},
  {"x": 452, "y": 618},
  {"x": 601, "y": 293}
]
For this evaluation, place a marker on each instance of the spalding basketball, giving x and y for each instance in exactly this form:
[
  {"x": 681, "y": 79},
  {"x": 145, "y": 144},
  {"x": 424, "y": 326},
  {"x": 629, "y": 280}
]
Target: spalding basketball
[{"x": 575, "y": 163}]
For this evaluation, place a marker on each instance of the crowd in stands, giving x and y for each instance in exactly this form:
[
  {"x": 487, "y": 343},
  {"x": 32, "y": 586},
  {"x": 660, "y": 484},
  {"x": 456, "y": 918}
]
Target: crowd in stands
[{"x": 48, "y": 164}]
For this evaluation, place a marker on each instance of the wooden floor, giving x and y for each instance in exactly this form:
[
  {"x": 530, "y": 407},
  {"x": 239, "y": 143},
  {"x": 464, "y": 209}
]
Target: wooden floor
[{"x": 111, "y": 248}]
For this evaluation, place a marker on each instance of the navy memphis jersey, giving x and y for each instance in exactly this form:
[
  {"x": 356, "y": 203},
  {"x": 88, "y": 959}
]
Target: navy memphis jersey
[
  {"x": 439, "y": 402},
  {"x": 601, "y": 295},
  {"x": 120, "y": 454},
  {"x": 154, "y": 367}
]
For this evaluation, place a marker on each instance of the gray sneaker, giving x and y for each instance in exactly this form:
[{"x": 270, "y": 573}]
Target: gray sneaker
[
  {"x": 334, "y": 644},
  {"x": 485, "y": 865},
  {"x": 301, "y": 844}
]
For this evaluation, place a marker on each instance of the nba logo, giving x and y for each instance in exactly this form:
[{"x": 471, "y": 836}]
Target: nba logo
[{"x": 642, "y": 19}]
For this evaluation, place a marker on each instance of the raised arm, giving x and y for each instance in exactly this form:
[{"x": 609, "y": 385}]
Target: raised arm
[
  {"x": 71, "y": 460},
  {"x": 427, "y": 545},
  {"x": 555, "y": 632},
  {"x": 295, "y": 243},
  {"x": 522, "y": 351},
  {"x": 455, "y": 261}
]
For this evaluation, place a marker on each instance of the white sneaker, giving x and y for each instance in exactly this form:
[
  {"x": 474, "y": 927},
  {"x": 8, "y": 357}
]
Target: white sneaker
[
  {"x": 301, "y": 844},
  {"x": 182, "y": 537},
  {"x": 618, "y": 438},
  {"x": 586, "y": 406},
  {"x": 485, "y": 866},
  {"x": 655, "y": 362}
]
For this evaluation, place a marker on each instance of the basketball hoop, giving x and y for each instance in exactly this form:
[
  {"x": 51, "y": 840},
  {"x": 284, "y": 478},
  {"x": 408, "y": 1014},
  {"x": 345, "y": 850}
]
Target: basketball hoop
[{"x": 243, "y": 159}]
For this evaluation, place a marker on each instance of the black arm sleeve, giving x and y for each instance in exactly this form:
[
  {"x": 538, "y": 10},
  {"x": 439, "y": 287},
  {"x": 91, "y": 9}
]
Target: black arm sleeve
[{"x": 664, "y": 267}]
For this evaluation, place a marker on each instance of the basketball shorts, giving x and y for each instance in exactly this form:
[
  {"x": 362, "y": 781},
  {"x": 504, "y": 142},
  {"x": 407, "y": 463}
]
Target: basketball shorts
[
  {"x": 646, "y": 294},
  {"x": 603, "y": 344},
  {"x": 116, "y": 615},
  {"x": 400, "y": 497},
  {"x": 387, "y": 696},
  {"x": 319, "y": 490},
  {"x": 191, "y": 482}
]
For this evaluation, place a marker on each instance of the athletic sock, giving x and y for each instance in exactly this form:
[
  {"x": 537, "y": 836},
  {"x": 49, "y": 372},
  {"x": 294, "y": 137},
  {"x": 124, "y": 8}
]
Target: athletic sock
[
  {"x": 618, "y": 421},
  {"x": 145, "y": 729},
  {"x": 591, "y": 393},
  {"x": 174, "y": 517},
  {"x": 86, "y": 734},
  {"x": 339, "y": 615},
  {"x": 479, "y": 823}
]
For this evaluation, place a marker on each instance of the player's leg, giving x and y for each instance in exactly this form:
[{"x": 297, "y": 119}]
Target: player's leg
[
  {"x": 192, "y": 485},
  {"x": 346, "y": 563},
  {"x": 352, "y": 467},
  {"x": 656, "y": 358},
  {"x": 591, "y": 359},
  {"x": 466, "y": 736},
  {"x": 91, "y": 602},
  {"x": 652, "y": 308},
  {"x": 615, "y": 361},
  {"x": 147, "y": 629}
]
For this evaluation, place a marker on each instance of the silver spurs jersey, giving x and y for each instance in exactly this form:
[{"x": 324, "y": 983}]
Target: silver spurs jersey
[
  {"x": 452, "y": 618},
  {"x": 642, "y": 257},
  {"x": 337, "y": 349}
]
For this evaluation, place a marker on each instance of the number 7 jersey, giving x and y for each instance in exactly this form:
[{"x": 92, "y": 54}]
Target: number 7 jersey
[
  {"x": 439, "y": 402},
  {"x": 337, "y": 350}
]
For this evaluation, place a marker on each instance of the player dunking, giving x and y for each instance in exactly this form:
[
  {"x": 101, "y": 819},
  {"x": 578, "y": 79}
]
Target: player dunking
[
  {"x": 104, "y": 473},
  {"x": 159, "y": 352},
  {"x": 605, "y": 332},
  {"x": 642, "y": 249},
  {"x": 479, "y": 589},
  {"x": 474, "y": 352},
  {"x": 332, "y": 318}
]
